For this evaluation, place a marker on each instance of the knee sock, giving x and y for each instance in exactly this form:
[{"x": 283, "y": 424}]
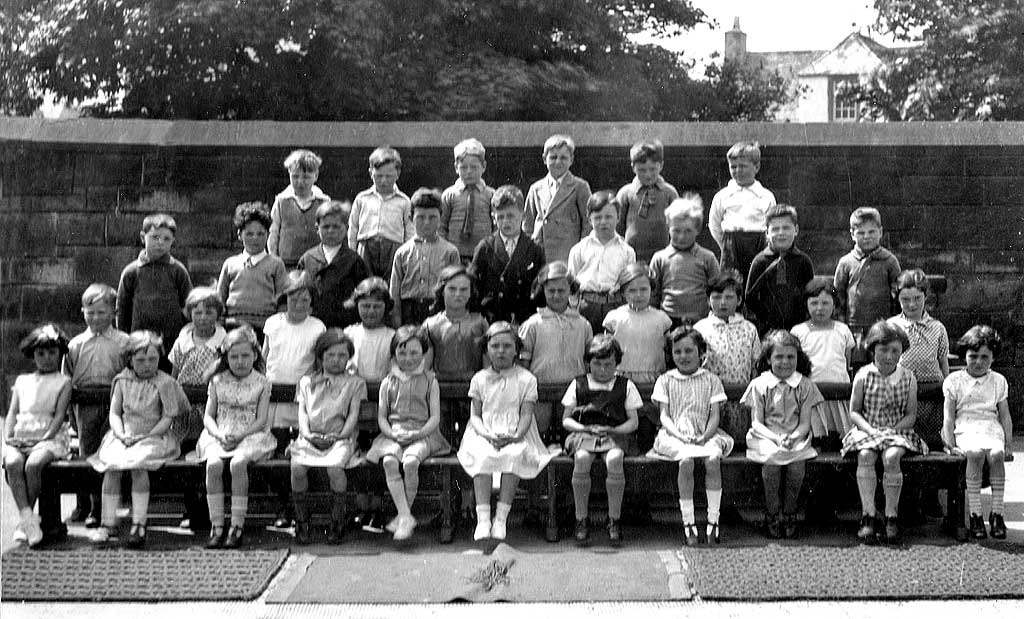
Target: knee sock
[
  {"x": 794, "y": 482},
  {"x": 998, "y": 485},
  {"x": 501, "y": 512},
  {"x": 140, "y": 507},
  {"x": 771, "y": 475},
  {"x": 239, "y": 507},
  {"x": 109, "y": 513},
  {"x": 581, "y": 492},
  {"x": 397, "y": 488},
  {"x": 892, "y": 485},
  {"x": 412, "y": 484},
  {"x": 483, "y": 513},
  {"x": 974, "y": 493},
  {"x": 714, "y": 505},
  {"x": 615, "y": 486},
  {"x": 866, "y": 483},
  {"x": 686, "y": 509},
  {"x": 215, "y": 503}
]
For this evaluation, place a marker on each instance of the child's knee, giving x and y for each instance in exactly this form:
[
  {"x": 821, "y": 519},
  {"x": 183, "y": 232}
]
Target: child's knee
[
  {"x": 14, "y": 461},
  {"x": 411, "y": 464},
  {"x": 613, "y": 460},
  {"x": 390, "y": 464},
  {"x": 582, "y": 460},
  {"x": 866, "y": 457},
  {"x": 891, "y": 460},
  {"x": 686, "y": 467},
  {"x": 337, "y": 477},
  {"x": 238, "y": 466}
]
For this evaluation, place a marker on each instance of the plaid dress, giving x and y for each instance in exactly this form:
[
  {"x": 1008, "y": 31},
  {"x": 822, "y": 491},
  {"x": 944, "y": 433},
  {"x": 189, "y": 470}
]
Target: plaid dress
[{"x": 885, "y": 403}]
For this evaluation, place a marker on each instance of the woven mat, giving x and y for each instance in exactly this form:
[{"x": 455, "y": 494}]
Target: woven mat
[
  {"x": 504, "y": 575},
  {"x": 95, "y": 575},
  {"x": 783, "y": 572}
]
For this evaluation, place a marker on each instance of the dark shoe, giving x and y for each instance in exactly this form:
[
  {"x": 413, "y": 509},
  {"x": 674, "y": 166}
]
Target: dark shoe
[
  {"x": 283, "y": 520},
  {"x": 234, "y": 538},
  {"x": 772, "y": 527},
  {"x": 977, "y": 526},
  {"x": 55, "y": 534},
  {"x": 713, "y": 534},
  {"x": 690, "y": 534},
  {"x": 614, "y": 530},
  {"x": 217, "y": 535},
  {"x": 582, "y": 530},
  {"x": 866, "y": 532},
  {"x": 92, "y": 521},
  {"x": 136, "y": 537},
  {"x": 80, "y": 513},
  {"x": 358, "y": 520},
  {"x": 995, "y": 521},
  {"x": 375, "y": 523},
  {"x": 303, "y": 534},
  {"x": 892, "y": 531},
  {"x": 336, "y": 533},
  {"x": 789, "y": 527}
]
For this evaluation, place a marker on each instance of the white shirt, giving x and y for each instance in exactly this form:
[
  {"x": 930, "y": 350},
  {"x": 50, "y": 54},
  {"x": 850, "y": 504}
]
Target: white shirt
[
  {"x": 597, "y": 265},
  {"x": 736, "y": 208}
]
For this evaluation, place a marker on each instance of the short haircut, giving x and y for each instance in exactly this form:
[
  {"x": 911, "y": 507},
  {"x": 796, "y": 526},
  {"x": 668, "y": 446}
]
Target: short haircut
[
  {"x": 449, "y": 273},
  {"x": 883, "y": 333},
  {"x": 550, "y": 271},
  {"x": 559, "y": 141},
  {"x": 819, "y": 285},
  {"x": 649, "y": 150},
  {"x": 48, "y": 335},
  {"x": 687, "y": 206},
  {"x": 471, "y": 147},
  {"x": 373, "y": 288},
  {"x": 207, "y": 296},
  {"x": 780, "y": 211},
  {"x": 780, "y": 337},
  {"x": 603, "y": 346},
  {"x": 159, "y": 220},
  {"x": 426, "y": 198},
  {"x": 383, "y": 155},
  {"x": 865, "y": 215},
  {"x": 507, "y": 196},
  {"x": 241, "y": 335},
  {"x": 687, "y": 331},
  {"x": 599, "y": 200},
  {"x": 630, "y": 273},
  {"x": 303, "y": 160},
  {"x": 981, "y": 335},
  {"x": 503, "y": 327},
  {"x": 248, "y": 212},
  {"x": 727, "y": 279},
  {"x": 326, "y": 340},
  {"x": 99, "y": 293},
  {"x": 334, "y": 208},
  {"x": 913, "y": 278},
  {"x": 142, "y": 340},
  {"x": 406, "y": 334},
  {"x": 749, "y": 150}
]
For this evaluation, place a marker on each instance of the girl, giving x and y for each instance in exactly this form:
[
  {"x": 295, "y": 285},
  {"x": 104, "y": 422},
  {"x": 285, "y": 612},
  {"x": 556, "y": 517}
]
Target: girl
[
  {"x": 926, "y": 354},
  {"x": 329, "y": 401},
  {"x": 638, "y": 328},
  {"x": 193, "y": 354},
  {"x": 408, "y": 414},
  {"x": 34, "y": 432},
  {"x": 237, "y": 402},
  {"x": 829, "y": 345},
  {"x": 455, "y": 332},
  {"x": 502, "y": 434},
  {"x": 883, "y": 408},
  {"x": 782, "y": 401},
  {"x": 143, "y": 403},
  {"x": 977, "y": 424},
  {"x": 372, "y": 361},
  {"x": 690, "y": 397},
  {"x": 600, "y": 412}
]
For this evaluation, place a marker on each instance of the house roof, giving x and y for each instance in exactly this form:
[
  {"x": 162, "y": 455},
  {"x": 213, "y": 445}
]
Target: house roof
[
  {"x": 788, "y": 64},
  {"x": 856, "y": 54}
]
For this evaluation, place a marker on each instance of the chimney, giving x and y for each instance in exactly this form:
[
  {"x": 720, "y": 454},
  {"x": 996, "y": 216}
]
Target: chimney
[{"x": 735, "y": 43}]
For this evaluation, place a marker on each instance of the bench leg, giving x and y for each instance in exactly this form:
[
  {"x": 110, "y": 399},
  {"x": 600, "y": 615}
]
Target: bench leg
[
  {"x": 954, "y": 523},
  {"x": 49, "y": 511},
  {"x": 447, "y": 525},
  {"x": 551, "y": 532}
]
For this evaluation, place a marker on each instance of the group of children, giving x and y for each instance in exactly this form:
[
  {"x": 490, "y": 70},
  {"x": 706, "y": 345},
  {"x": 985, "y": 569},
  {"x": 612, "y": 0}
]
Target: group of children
[{"x": 595, "y": 291}]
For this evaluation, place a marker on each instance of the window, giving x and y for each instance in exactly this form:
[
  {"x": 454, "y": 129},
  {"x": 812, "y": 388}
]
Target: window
[{"x": 844, "y": 104}]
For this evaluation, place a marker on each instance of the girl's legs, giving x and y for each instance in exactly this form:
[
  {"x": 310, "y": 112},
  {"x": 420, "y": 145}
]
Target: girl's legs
[
  {"x": 997, "y": 481},
  {"x": 482, "y": 490},
  {"x": 975, "y": 466},
  {"x": 506, "y": 495},
  {"x": 300, "y": 485},
  {"x": 867, "y": 481},
  {"x": 713, "y": 488},
  {"x": 111, "y": 499},
  {"x": 14, "y": 466},
  {"x": 140, "y": 496},
  {"x": 411, "y": 469},
  {"x": 215, "y": 494},
  {"x": 771, "y": 474},
  {"x": 615, "y": 484},
  {"x": 684, "y": 481},
  {"x": 396, "y": 486},
  {"x": 339, "y": 483},
  {"x": 892, "y": 485},
  {"x": 239, "y": 467},
  {"x": 34, "y": 464},
  {"x": 582, "y": 461},
  {"x": 794, "y": 481}
]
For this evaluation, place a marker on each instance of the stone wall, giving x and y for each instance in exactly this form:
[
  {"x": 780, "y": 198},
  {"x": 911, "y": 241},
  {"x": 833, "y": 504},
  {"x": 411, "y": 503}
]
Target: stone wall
[{"x": 73, "y": 194}]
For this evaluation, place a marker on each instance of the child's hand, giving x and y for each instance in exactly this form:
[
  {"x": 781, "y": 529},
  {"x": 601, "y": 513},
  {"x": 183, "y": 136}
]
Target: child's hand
[
  {"x": 16, "y": 442},
  {"x": 229, "y": 441},
  {"x": 597, "y": 430},
  {"x": 788, "y": 441}
]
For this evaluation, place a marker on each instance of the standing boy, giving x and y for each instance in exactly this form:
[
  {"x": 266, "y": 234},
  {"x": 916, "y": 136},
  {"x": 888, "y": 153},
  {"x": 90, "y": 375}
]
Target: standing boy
[
  {"x": 418, "y": 262},
  {"x": 644, "y": 201},
  {"x": 292, "y": 227},
  {"x": 506, "y": 263},
  {"x": 597, "y": 260},
  {"x": 466, "y": 205},
  {"x": 335, "y": 269},
  {"x": 737, "y": 217},
  {"x": 680, "y": 272},
  {"x": 778, "y": 274},
  {"x": 556, "y": 205},
  {"x": 381, "y": 215}
]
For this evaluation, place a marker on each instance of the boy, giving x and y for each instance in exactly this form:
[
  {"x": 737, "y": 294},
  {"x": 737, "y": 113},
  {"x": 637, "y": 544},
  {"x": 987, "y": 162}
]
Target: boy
[
  {"x": 152, "y": 291},
  {"x": 94, "y": 357},
  {"x": 466, "y": 205},
  {"x": 556, "y": 205},
  {"x": 506, "y": 263},
  {"x": 381, "y": 215},
  {"x": 643, "y": 201},
  {"x": 597, "y": 260},
  {"x": 292, "y": 228},
  {"x": 778, "y": 274},
  {"x": 737, "y": 217},
  {"x": 680, "y": 272},
  {"x": 418, "y": 262},
  {"x": 867, "y": 275},
  {"x": 251, "y": 282},
  {"x": 335, "y": 269}
]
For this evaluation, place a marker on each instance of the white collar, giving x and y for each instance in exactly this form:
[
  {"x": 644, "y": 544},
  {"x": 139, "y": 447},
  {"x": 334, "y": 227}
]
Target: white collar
[
  {"x": 774, "y": 381},
  {"x": 735, "y": 319},
  {"x": 255, "y": 259}
]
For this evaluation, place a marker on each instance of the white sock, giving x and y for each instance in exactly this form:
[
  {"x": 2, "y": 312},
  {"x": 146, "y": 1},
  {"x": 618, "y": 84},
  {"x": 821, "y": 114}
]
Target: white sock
[
  {"x": 140, "y": 507},
  {"x": 686, "y": 508}
]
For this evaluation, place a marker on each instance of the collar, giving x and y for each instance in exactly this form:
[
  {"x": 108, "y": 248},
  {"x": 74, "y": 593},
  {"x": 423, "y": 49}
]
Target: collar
[
  {"x": 254, "y": 259},
  {"x": 615, "y": 240},
  {"x": 558, "y": 181},
  {"x": 926, "y": 319},
  {"x": 735, "y": 319},
  {"x": 104, "y": 333},
  {"x": 774, "y": 381},
  {"x": 893, "y": 378},
  {"x": 315, "y": 194},
  {"x": 677, "y": 375},
  {"x": 692, "y": 249},
  {"x": 321, "y": 377},
  {"x": 460, "y": 186},
  {"x": 878, "y": 253},
  {"x": 419, "y": 239},
  {"x": 493, "y": 375},
  {"x": 755, "y": 188},
  {"x": 546, "y": 312},
  {"x": 659, "y": 183},
  {"x": 506, "y": 239},
  {"x": 403, "y": 376},
  {"x": 144, "y": 258},
  {"x": 334, "y": 249},
  {"x": 394, "y": 192}
]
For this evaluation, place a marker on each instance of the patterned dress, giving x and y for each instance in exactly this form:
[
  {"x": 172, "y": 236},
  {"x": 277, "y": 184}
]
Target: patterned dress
[
  {"x": 689, "y": 399},
  {"x": 884, "y": 404},
  {"x": 928, "y": 341},
  {"x": 193, "y": 362},
  {"x": 733, "y": 349},
  {"x": 325, "y": 401},
  {"x": 237, "y": 401},
  {"x": 37, "y": 404},
  {"x": 143, "y": 403},
  {"x": 975, "y": 400},
  {"x": 781, "y": 404}
]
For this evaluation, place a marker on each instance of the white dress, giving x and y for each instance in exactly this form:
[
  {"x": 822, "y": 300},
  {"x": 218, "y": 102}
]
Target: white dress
[
  {"x": 977, "y": 424},
  {"x": 236, "y": 410},
  {"x": 326, "y": 402},
  {"x": 289, "y": 358},
  {"x": 503, "y": 394},
  {"x": 37, "y": 404}
]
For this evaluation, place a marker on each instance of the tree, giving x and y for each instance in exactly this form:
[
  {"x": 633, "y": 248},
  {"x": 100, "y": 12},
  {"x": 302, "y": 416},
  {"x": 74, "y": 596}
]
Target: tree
[
  {"x": 737, "y": 91},
  {"x": 968, "y": 65}
]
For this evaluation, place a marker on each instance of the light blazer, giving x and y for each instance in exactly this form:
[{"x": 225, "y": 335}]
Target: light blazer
[{"x": 557, "y": 222}]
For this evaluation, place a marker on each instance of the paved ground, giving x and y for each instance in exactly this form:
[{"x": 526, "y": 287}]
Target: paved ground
[{"x": 661, "y": 536}]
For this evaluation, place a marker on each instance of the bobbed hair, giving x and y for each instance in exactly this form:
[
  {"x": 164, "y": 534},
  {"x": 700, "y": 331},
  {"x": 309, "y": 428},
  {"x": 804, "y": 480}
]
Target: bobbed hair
[{"x": 780, "y": 337}]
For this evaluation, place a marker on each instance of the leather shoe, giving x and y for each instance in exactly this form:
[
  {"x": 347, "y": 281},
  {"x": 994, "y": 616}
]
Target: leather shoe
[
  {"x": 216, "y": 539},
  {"x": 997, "y": 524},
  {"x": 582, "y": 530},
  {"x": 234, "y": 538},
  {"x": 136, "y": 537}
]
